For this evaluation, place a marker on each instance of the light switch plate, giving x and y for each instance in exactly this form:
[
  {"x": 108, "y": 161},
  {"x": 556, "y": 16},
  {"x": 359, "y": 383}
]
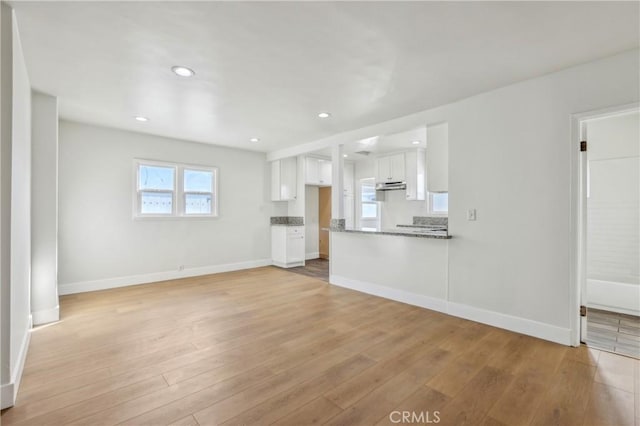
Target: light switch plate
[{"x": 471, "y": 214}]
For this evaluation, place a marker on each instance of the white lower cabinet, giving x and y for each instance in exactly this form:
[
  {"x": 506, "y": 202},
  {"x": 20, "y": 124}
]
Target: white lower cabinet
[{"x": 287, "y": 246}]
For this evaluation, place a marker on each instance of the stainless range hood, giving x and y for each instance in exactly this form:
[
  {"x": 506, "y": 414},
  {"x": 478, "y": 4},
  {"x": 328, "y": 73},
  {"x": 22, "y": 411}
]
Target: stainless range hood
[{"x": 390, "y": 186}]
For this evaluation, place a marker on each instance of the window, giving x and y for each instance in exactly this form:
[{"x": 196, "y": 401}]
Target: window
[
  {"x": 439, "y": 202},
  {"x": 174, "y": 190},
  {"x": 369, "y": 208}
]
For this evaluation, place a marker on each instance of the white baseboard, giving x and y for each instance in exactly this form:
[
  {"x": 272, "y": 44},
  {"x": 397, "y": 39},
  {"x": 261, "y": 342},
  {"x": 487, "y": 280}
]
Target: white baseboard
[
  {"x": 84, "y": 286},
  {"x": 314, "y": 255},
  {"x": 286, "y": 265},
  {"x": 46, "y": 316},
  {"x": 509, "y": 322},
  {"x": 614, "y": 296},
  {"x": 9, "y": 391},
  {"x": 427, "y": 302},
  {"x": 496, "y": 319}
]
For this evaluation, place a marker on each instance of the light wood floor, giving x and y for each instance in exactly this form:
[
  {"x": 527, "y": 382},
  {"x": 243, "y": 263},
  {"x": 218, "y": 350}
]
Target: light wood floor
[{"x": 268, "y": 346}]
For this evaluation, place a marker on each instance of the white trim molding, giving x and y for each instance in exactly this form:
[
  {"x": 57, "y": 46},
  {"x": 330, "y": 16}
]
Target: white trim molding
[
  {"x": 46, "y": 316},
  {"x": 108, "y": 283},
  {"x": 9, "y": 391},
  {"x": 512, "y": 323},
  {"x": 314, "y": 255},
  {"x": 496, "y": 319},
  {"x": 427, "y": 302}
]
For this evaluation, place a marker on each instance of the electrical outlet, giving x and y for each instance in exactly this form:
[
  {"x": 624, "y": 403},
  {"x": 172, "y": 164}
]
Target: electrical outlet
[
  {"x": 181, "y": 268},
  {"x": 471, "y": 214}
]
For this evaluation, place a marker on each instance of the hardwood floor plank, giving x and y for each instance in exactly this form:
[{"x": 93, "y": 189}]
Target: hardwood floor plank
[
  {"x": 268, "y": 346},
  {"x": 316, "y": 412},
  {"x": 473, "y": 403},
  {"x": 425, "y": 402},
  {"x": 281, "y": 405},
  {"x": 565, "y": 401}
]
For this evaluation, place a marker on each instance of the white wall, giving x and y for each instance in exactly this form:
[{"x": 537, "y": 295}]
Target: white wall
[
  {"x": 6, "y": 68},
  {"x": 44, "y": 214},
  {"x": 511, "y": 155},
  {"x": 16, "y": 208},
  {"x": 312, "y": 222},
  {"x": 613, "y": 212},
  {"x": 100, "y": 245}
]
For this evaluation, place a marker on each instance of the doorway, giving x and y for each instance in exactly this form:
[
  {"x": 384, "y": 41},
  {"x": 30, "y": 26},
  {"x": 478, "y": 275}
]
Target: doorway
[
  {"x": 324, "y": 220},
  {"x": 610, "y": 231}
]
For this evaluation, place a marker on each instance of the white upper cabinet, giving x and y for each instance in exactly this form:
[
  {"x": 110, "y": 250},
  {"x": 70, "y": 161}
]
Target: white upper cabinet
[
  {"x": 390, "y": 168},
  {"x": 438, "y": 158},
  {"x": 311, "y": 171},
  {"x": 284, "y": 179},
  {"x": 325, "y": 172},
  {"x": 317, "y": 171},
  {"x": 415, "y": 171}
]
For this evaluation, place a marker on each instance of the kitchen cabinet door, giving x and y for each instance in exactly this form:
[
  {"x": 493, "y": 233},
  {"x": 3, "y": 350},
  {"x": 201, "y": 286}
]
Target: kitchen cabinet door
[
  {"x": 284, "y": 179},
  {"x": 325, "y": 172},
  {"x": 287, "y": 246},
  {"x": 383, "y": 170},
  {"x": 295, "y": 248},
  {"x": 312, "y": 171},
  {"x": 397, "y": 167},
  {"x": 275, "y": 181},
  {"x": 415, "y": 174},
  {"x": 390, "y": 168}
]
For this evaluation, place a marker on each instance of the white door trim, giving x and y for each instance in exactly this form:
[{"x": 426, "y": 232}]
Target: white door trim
[{"x": 577, "y": 234}]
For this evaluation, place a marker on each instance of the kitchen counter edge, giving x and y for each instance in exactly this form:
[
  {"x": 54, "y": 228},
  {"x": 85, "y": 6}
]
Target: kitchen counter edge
[{"x": 395, "y": 233}]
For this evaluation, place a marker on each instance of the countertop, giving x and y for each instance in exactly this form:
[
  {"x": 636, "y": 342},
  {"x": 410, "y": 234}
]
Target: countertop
[{"x": 404, "y": 231}]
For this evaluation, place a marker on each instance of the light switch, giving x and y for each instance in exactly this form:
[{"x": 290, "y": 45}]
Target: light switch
[{"x": 471, "y": 214}]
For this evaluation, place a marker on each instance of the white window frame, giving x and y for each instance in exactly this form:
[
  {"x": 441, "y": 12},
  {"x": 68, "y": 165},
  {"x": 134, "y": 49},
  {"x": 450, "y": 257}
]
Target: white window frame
[
  {"x": 178, "y": 193},
  {"x": 363, "y": 221},
  {"x": 437, "y": 213}
]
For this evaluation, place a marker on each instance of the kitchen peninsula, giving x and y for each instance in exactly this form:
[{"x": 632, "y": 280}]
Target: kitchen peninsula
[{"x": 408, "y": 263}]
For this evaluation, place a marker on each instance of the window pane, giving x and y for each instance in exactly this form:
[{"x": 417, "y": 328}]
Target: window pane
[
  {"x": 197, "y": 204},
  {"x": 198, "y": 181},
  {"x": 368, "y": 191},
  {"x": 156, "y": 203},
  {"x": 369, "y": 210},
  {"x": 155, "y": 177},
  {"x": 441, "y": 202}
]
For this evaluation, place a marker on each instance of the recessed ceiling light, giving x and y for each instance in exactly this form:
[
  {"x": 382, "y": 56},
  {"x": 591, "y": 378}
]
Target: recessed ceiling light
[
  {"x": 324, "y": 115},
  {"x": 141, "y": 118},
  {"x": 416, "y": 142},
  {"x": 345, "y": 155},
  {"x": 183, "y": 71},
  {"x": 254, "y": 140}
]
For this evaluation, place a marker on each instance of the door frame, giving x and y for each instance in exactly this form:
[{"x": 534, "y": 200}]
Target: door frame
[{"x": 578, "y": 213}]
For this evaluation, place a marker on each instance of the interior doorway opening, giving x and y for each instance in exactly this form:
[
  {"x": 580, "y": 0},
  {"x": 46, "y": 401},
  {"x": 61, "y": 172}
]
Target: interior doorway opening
[
  {"x": 324, "y": 221},
  {"x": 609, "y": 234}
]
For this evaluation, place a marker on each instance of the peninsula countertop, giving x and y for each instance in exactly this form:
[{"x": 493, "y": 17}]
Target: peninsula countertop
[{"x": 404, "y": 231}]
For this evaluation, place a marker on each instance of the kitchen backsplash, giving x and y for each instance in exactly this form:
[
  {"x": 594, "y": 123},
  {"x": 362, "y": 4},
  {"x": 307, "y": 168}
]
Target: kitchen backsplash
[
  {"x": 430, "y": 220},
  {"x": 287, "y": 220}
]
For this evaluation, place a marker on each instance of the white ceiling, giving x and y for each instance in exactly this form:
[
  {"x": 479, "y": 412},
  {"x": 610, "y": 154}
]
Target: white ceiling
[
  {"x": 361, "y": 149},
  {"x": 266, "y": 69}
]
